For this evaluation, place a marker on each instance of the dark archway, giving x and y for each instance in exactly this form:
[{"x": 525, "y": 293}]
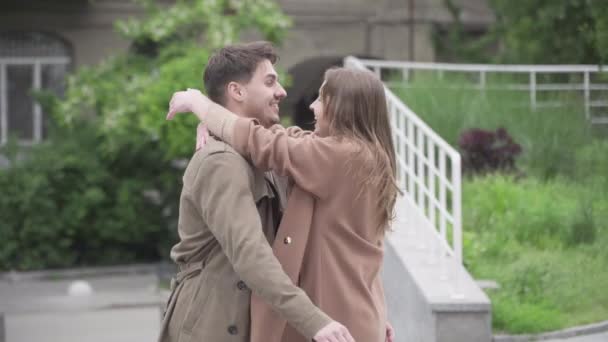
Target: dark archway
[{"x": 307, "y": 77}]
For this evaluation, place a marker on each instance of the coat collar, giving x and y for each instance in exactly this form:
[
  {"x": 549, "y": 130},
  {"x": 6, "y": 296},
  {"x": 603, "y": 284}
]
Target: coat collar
[{"x": 261, "y": 188}]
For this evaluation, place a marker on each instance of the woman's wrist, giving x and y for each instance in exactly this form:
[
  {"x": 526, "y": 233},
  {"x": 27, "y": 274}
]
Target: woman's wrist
[
  {"x": 220, "y": 122},
  {"x": 201, "y": 108}
]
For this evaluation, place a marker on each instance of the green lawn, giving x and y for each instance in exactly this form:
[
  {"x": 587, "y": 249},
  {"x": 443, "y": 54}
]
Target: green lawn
[{"x": 543, "y": 235}]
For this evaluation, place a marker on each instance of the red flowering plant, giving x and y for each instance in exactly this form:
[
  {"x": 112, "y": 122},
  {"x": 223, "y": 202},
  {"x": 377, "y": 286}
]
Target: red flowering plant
[{"x": 486, "y": 151}]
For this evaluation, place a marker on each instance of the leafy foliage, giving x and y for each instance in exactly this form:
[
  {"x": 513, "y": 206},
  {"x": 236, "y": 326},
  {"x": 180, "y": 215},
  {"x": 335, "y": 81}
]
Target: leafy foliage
[
  {"x": 69, "y": 203},
  {"x": 102, "y": 189},
  {"x": 535, "y": 32}
]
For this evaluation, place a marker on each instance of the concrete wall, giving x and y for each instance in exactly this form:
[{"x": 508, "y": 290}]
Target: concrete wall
[
  {"x": 87, "y": 27},
  {"x": 322, "y": 27},
  {"x": 430, "y": 300}
]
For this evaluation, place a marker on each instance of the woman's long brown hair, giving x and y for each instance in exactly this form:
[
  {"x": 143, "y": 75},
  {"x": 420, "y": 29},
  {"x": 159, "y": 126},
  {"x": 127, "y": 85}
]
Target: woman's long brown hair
[{"x": 355, "y": 105}]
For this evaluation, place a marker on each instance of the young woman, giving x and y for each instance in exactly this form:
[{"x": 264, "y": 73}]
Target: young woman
[{"x": 343, "y": 195}]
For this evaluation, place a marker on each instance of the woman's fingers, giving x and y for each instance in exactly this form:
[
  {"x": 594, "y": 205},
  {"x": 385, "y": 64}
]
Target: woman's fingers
[
  {"x": 202, "y": 136},
  {"x": 172, "y": 106}
]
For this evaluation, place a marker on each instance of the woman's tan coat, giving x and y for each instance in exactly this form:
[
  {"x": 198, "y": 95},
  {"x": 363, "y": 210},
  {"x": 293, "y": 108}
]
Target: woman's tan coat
[{"x": 328, "y": 241}]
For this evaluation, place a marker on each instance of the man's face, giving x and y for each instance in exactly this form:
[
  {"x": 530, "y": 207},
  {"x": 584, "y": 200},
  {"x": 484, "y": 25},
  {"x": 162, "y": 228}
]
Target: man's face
[{"x": 263, "y": 94}]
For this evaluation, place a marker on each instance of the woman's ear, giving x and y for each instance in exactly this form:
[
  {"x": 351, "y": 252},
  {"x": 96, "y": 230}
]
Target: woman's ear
[{"x": 236, "y": 91}]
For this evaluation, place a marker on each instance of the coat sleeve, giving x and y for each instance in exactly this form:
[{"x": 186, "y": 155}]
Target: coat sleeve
[
  {"x": 309, "y": 160},
  {"x": 292, "y": 131},
  {"x": 222, "y": 192}
]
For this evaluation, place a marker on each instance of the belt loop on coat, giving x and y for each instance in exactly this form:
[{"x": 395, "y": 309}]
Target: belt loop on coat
[{"x": 185, "y": 271}]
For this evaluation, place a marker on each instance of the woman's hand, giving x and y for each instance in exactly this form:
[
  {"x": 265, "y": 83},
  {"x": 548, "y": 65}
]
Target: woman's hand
[
  {"x": 202, "y": 136},
  {"x": 189, "y": 101},
  {"x": 333, "y": 332},
  {"x": 390, "y": 333}
]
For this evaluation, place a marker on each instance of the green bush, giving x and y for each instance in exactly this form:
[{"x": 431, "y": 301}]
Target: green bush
[
  {"x": 102, "y": 189},
  {"x": 70, "y": 203}
]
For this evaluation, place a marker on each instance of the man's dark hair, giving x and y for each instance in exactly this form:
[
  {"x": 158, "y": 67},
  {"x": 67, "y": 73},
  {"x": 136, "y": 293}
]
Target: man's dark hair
[{"x": 235, "y": 63}]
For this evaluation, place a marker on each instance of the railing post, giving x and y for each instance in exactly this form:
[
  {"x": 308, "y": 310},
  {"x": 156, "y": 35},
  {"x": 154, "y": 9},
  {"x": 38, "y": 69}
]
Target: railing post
[
  {"x": 401, "y": 124},
  {"x": 456, "y": 209},
  {"x": 533, "y": 90},
  {"x": 406, "y": 75},
  {"x": 420, "y": 167},
  {"x": 410, "y": 158},
  {"x": 3, "y": 105},
  {"x": 482, "y": 81},
  {"x": 587, "y": 96},
  {"x": 431, "y": 180},
  {"x": 37, "y": 136},
  {"x": 442, "y": 194}
]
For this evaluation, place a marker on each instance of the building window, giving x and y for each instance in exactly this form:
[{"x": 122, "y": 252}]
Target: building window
[{"x": 29, "y": 61}]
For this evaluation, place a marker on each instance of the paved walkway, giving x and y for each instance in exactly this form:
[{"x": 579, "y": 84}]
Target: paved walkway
[
  {"x": 602, "y": 337},
  {"x": 122, "y": 308}
]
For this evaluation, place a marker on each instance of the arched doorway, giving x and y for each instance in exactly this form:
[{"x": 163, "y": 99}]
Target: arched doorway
[
  {"x": 307, "y": 77},
  {"x": 29, "y": 61}
]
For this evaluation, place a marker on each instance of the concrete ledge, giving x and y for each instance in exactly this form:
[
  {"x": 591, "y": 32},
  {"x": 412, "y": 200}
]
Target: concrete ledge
[
  {"x": 559, "y": 334},
  {"x": 430, "y": 298},
  {"x": 89, "y": 272},
  {"x": 108, "y": 292}
]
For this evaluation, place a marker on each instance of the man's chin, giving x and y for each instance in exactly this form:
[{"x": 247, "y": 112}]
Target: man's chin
[{"x": 273, "y": 120}]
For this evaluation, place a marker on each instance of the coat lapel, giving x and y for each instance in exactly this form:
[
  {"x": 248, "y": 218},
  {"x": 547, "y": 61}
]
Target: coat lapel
[{"x": 289, "y": 247}]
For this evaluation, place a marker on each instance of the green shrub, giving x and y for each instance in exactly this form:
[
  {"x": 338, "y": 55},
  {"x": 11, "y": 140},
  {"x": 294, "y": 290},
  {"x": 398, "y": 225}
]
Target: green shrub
[
  {"x": 102, "y": 190},
  {"x": 70, "y": 203}
]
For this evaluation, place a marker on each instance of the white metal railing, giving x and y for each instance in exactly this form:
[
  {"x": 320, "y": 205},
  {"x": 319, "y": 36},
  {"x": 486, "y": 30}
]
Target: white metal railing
[
  {"x": 586, "y": 84},
  {"x": 428, "y": 170},
  {"x": 37, "y": 64}
]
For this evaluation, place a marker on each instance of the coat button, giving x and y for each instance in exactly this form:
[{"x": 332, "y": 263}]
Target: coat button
[
  {"x": 232, "y": 330},
  {"x": 241, "y": 285},
  {"x": 287, "y": 240}
]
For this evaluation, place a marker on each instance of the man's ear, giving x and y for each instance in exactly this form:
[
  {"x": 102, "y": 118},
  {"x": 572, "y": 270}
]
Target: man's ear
[{"x": 236, "y": 91}]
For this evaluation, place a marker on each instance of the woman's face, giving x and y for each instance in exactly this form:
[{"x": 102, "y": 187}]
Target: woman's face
[{"x": 321, "y": 121}]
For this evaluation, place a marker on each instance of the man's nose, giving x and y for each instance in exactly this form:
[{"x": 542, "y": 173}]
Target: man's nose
[{"x": 280, "y": 93}]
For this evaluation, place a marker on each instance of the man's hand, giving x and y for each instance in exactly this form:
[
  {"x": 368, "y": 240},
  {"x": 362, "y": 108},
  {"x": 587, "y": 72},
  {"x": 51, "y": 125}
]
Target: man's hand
[
  {"x": 189, "y": 101},
  {"x": 390, "y": 333},
  {"x": 333, "y": 332}
]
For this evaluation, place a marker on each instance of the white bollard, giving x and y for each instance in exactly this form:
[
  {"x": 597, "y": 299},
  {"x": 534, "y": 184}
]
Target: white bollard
[
  {"x": 80, "y": 288},
  {"x": 2, "y": 328}
]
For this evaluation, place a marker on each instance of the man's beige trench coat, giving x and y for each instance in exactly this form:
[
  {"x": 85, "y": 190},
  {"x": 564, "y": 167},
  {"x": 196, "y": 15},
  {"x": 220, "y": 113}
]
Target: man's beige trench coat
[{"x": 223, "y": 253}]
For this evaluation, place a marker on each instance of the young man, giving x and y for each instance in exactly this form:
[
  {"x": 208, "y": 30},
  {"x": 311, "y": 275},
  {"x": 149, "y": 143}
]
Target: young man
[{"x": 228, "y": 216}]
